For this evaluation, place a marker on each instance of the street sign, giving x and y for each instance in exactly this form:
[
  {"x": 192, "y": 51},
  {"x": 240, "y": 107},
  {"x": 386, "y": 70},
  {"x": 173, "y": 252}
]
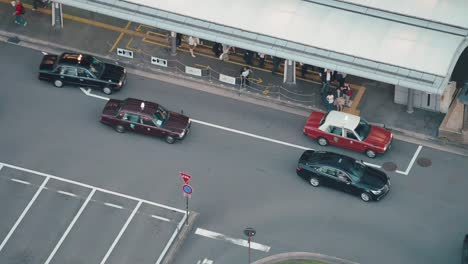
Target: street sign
[
  {"x": 187, "y": 189},
  {"x": 186, "y": 177}
]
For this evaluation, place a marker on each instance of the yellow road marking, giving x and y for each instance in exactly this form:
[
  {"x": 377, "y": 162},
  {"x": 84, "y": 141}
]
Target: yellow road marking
[
  {"x": 149, "y": 33},
  {"x": 129, "y": 47},
  {"x": 119, "y": 38},
  {"x": 266, "y": 91},
  {"x": 144, "y": 26},
  {"x": 206, "y": 67}
]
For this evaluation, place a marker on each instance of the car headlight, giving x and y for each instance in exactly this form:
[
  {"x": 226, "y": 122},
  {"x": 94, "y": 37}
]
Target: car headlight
[
  {"x": 181, "y": 135},
  {"x": 376, "y": 192},
  {"x": 120, "y": 83}
]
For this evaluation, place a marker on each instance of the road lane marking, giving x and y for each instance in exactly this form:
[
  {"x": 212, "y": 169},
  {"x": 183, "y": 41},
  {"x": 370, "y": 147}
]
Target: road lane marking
[
  {"x": 237, "y": 241},
  {"x": 119, "y": 38},
  {"x": 161, "y": 218},
  {"x": 92, "y": 187},
  {"x": 171, "y": 240},
  {"x": 25, "y": 211},
  {"x": 413, "y": 160},
  {"x": 116, "y": 240},
  {"x": 52, "y": 254},
  {"x": 114, "y": 205},
  {"x": 20, "y": 181},
  {"x": 67, "y": 193},
  {"x": 88, "y": 93}
]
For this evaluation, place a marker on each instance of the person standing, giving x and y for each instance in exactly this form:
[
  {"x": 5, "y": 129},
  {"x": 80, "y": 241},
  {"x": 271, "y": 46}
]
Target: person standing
[
  {"x": 192, "y": 42},
  {"x": 347, "y": 94},
  {"x": 178, "y": 38},
  {"x": 326, "y": 79},
  {"x": 329, "y": 100},
  {"x": 261, "y": 58},
  {"x": 225, "y": 55},
  {"x": 19, "y": 13},
  {"x": 245, "y": 74},
  {"x": 276, "y": 64},
  {"x": 217, "y": 49}
]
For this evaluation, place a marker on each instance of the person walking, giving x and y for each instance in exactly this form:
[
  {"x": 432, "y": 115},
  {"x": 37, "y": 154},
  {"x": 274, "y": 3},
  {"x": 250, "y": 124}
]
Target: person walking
[
  {"x": 245, "y": 74},
  {"x": 326, "y": 79},
  {"x": 347, "y": 92},
  {"x": 193, "y": 43},
  {"x": 19, "y": 13}
]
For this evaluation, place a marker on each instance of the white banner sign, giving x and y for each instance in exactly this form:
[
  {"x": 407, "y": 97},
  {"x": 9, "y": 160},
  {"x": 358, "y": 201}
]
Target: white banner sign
[
  {"x": 125, "y": 53},
  {"x": 227, "y": 79},
  {"x": 193, "y": 71},
  {"x": 159, "y": 61}
]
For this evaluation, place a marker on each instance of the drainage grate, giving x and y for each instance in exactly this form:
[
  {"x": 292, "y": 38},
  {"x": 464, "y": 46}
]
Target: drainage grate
[
  {"x": 389, "y": 166},
  {"x": 14, "y": 40},
  {"x": 424, "y": 162}
]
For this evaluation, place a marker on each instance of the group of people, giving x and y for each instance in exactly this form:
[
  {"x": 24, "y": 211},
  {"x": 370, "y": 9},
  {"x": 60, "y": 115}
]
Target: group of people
[{"x": 339, "y": 99}]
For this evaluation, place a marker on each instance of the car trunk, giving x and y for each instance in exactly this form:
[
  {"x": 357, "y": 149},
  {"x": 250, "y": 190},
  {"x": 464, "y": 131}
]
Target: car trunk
[
  {"x": 48, "y": 62},
  {"x": 112, "y": 107}
]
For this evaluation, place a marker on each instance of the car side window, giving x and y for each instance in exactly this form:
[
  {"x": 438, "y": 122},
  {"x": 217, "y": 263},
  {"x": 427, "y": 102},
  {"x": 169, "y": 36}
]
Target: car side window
[
  {"x": 58, "y": 70},
  {"x": 336, "y": 130},
  {"x": 134, "y": 118},
  {"x": 342, "y": 176},
  {"x": 328, "y": 171},
  {"x": 69, "y": 71},
  {"x": 84, "y": 73},
  {"x": 147, "y": 121},
  {"x": 350, "y": 134}
]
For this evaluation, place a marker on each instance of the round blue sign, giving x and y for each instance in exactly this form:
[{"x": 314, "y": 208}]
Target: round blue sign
[{"x": 187, "y": 189}]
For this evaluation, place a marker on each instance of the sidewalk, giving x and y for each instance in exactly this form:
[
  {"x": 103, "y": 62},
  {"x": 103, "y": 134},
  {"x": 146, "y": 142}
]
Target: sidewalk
[{"x": 101, "y": 35}]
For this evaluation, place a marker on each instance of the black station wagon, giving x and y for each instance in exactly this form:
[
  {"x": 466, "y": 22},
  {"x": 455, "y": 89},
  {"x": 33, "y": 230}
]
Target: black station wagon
[
  {"x": 82, "y": 70},
  {"x": 343, "y": 173}
]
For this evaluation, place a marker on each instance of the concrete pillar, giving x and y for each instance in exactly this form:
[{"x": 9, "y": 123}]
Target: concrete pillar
[
  {"x": 173, "y": 43},
  {"x": 410, "y": 103},
  {"x": 289, "y": 72},
  {"x": 57, "y": 15}
]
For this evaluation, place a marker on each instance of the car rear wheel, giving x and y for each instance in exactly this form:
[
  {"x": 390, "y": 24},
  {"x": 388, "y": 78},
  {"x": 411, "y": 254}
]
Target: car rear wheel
[
  {"x": 370, "y": 153},
  {"x": 322, "y": 141},
  {"x": 170, "y": 139},
  {"x": 107, "y": 90},
  {"x": 119, "y": 129},
  {"x": 314, "y": 181},
  {"x": 365, "y": 197},
  {"x": 58, "y": 83}
]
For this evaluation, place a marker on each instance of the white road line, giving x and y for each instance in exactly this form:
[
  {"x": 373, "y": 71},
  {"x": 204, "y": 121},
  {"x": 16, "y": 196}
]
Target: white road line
[
  {"x": 88, "y": 93},
  {"x": 171, "y": 240},
  {"x": 25, "y": 211},
  {"x": 413, "y": 160},
  {"x": 161, "y": 218},
  {"x": 93, "y": 187},
  {"x": 207, "y": 261},
  {"x": 113, "y": 205},
  {"x": 237, "y": 241},
  {"x": 20, "y": 181},
  {"x": 116, "y": 240},
  {"x": 372, "y": 165},
  {"x": 67, "y": 193},
  {"x": 70, "y": 227}
]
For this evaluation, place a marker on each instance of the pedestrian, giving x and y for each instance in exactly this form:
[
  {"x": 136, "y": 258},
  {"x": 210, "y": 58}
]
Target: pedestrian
[
  {"x": 276, "y": 64},
  {"x": 178, "y": 39},
  {"x": 192, "y": 42},
  {"x": 248, "y": 57},
  {"x": 261, "y": 58},
  {"x": 225, "y": 55},
  {"x": 304, "y": 68},
  {"x": 326, "y": 79},
  {"x": 339, "y": 103},
  {"x": 217, "y": 49},
  {"x": 19, "y": 13},
  {"x": 244, "y": 76},
  {"x": 329, "y": 100},
  {"x": 348, "y": 93},
  {"x": 341, "y": 77}
]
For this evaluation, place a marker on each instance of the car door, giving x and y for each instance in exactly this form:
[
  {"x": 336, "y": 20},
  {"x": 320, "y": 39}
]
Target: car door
[
  {"x": 69, "y": 75},
  {"x": 149, "y": 127},
  {"x": 352, "y": 141},
  {"x": 86, "y": 79},
  {"x": 335, "y": 135},
  {"x": 345, "y": 183},
  {"x": 131, "y": 122},
  {"x": 327, "y": 176}
]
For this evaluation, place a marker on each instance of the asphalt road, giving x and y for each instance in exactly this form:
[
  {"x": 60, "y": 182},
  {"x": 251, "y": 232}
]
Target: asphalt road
[{"x": 238, "y": 180}]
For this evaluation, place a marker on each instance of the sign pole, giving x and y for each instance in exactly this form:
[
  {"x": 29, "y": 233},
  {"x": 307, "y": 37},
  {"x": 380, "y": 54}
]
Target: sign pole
[{"x": 186, "y": 210}]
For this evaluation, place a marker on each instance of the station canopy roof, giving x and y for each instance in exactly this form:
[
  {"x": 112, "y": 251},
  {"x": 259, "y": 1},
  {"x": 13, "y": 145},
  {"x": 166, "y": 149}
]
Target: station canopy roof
[{"x": 415, "y": 45}]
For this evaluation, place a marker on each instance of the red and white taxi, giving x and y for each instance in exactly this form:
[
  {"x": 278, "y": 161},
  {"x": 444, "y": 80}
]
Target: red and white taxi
[{"x": 347, "y": 131}]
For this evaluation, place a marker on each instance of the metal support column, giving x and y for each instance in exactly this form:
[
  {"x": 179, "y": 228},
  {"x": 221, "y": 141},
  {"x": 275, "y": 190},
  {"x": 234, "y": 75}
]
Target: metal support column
[
  {"x": 289, "y": 72},
  {"x": 173, "y": 43},
  {"x": 410, "y": 103},
  {"x": 57, "y": 15}
]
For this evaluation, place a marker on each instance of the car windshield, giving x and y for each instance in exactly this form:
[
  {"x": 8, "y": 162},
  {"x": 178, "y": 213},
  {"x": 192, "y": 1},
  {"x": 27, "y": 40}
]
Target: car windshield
[
  {"x": 96, "y": 66},
  {"x": 363, "y": 129},
  {"x": 356, "y": 170},
  {"x": 161, "y": 115}
]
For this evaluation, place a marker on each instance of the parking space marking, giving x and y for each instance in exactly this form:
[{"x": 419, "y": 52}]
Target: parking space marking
[
  {"x": 114, "y": 205},
  {"x": 52, "y": 254},
  {"x": 116, "y": 240},
  {"x": 25, "y": 211},
  {"x": 20, "y": 181},
  {"x": 161, "y": 218},
  {"x": 67, "y": 193},
  {"x": 88, "y": 93},
  {"x": 237, "y": 241},
  {"x": 415, "y": 156}
]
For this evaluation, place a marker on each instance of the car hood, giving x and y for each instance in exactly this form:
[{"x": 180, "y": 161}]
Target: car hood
[
  {"x": 177, "y": 122},
  {"x": 113, "y": 73},
  {"x": 379, "y": 136},
  {"x": 374, "y": 178},
  {"x": 314, "y": 119}
]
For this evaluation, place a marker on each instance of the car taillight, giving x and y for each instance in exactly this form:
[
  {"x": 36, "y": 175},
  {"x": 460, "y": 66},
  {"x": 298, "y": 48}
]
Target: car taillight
[{"x": 299, "y": 167}]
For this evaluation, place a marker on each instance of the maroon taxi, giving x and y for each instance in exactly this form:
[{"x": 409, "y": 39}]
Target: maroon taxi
[
  {"x": 146, "y": 118},
  {"x": 347, "y": 131}
]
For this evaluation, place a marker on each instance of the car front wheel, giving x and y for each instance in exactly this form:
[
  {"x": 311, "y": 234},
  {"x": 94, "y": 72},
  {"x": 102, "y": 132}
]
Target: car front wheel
[
  {"x": 58, "y": 83},
  {"x": 314, "y": 181},
  {"x": 107, "y": 90},
  {"x": 170, "y": 139},
  {"x": 119, "y": 129},
  {"x": 322, "y": 141},
  {"x": 370, "y": 153},
  {"x": 365, "y": 197}
]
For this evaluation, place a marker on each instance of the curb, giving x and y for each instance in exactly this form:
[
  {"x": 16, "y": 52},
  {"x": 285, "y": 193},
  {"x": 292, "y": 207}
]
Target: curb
[
  {"x": 230, "y": 92},
  {"x": 302, "y": 256},
  {"x": 180, "y": 238}
]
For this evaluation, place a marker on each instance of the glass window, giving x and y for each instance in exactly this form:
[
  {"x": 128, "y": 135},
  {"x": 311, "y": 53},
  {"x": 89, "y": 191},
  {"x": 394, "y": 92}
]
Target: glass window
[
  {"x": 84, "y": 73},
  {"x": 342, "y": 176},
  {"x": 69, "y": 71},
  {"x": 363, "y": 129},
  {"x": 329, "y": 171},
  {"x": 336, "y": 130},
  {"x": 161, "y": 114},
  {"x": 96, "y": 66},
  {"x": 134, "y": 118},
  {"x": 350, "y": 134},
  {"x": 147, "y": 121}
]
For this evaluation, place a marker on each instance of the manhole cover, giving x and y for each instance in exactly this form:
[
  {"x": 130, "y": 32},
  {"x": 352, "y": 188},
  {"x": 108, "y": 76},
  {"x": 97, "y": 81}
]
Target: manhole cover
[
  {"x": 424, "y": 162},
  {"x": 389, "y": 166}
]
